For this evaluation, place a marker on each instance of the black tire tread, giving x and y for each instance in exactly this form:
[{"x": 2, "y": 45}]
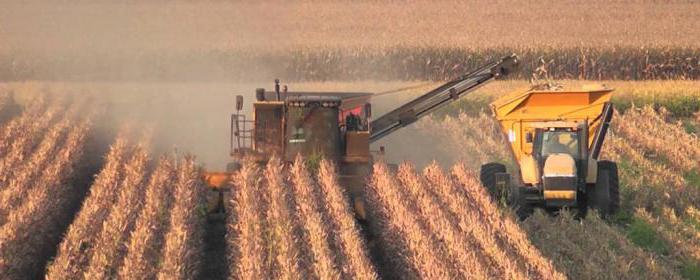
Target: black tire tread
[
  {"x": 611, "y": 166},
  {"x": 487, "y": 175},
  {"x": 612, "y": 185}
]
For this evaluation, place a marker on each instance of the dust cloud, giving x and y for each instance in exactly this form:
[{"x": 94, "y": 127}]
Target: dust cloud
[
  {"x": 72, "y": 45},
  {"x": 195, "y": 118}
]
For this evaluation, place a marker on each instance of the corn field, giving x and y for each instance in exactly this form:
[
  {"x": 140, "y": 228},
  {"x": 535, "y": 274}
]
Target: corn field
[
  {"x": 400, "y": 63},
  {"x": 142, "y": 215},
  {"x": 444, "y": 225},
  {"x": 136, "y": 223},
  {"x": 43, "y": 151},
  {"x": 103, "y": 112},
  {"x": 284, "y": 224}
]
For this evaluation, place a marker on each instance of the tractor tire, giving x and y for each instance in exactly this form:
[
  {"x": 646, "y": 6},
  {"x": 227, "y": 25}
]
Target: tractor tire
[
  {"x": 233, "y": 166},
  {"x": 605, "y": 195},
  {"x": 487, "y": 176},
  {"x": 517, "y": 202}
]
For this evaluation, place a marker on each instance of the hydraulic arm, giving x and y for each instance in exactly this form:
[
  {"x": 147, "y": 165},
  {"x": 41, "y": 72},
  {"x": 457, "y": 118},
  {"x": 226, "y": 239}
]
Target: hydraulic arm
[{"x": 439, "y": 97}]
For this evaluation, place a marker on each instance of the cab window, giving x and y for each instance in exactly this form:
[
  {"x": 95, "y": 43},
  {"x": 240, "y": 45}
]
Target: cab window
[{"x": 560, "y": 142}]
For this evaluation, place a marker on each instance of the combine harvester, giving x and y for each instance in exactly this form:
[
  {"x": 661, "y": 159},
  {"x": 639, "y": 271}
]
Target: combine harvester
[
  {"x": 333, "y": 125},
  {"x": 556, "y": 137}
]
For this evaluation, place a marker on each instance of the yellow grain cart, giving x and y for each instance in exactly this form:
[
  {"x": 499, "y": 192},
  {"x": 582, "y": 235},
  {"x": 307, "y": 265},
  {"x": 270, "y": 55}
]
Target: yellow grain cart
[{"x": 556, "y": 137}]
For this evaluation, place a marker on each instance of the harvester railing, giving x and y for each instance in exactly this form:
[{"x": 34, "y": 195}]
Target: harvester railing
[{"x": 241, "y": 133}]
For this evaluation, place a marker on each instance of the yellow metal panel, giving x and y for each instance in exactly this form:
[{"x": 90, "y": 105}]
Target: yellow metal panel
[
  {"x": 558, "y": 165},
  {"x": 529, "y": 170},
  {"x": 567, "y": 195},
  {"x": 517, "y": 112}
]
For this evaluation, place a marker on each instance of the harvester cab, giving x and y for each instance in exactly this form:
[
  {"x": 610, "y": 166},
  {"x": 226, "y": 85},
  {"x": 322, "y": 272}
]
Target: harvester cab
[
  {"x": 333, "y": 125},
  {"x": 556, "y": 137}
]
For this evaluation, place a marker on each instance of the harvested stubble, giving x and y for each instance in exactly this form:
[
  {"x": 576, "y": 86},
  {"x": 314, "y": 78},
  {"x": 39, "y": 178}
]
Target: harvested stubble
[
  {"x": 674, "y": 231},
  {"x": 280, "y": 229},
  {"x": 183, "y": 243},
  {"x": 74, "y": 251},
  {"x": 660, "y": 188},
  {"x": 34, "y": 227},
  {"x": 651, "y": 132},
  {"x": 655, "y": 174},
  {"x": 592, "y": 249},
  {"x": 147, "y": 239}
]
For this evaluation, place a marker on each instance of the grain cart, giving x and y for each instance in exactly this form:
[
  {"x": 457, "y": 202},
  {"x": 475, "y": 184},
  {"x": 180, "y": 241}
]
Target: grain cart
[
  {"x": 334, "y": 125},
  {"x": 556, "y": 138}
]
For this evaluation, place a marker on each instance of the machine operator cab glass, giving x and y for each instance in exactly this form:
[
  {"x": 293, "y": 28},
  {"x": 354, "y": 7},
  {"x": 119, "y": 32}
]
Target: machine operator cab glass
[
  {"x": 563, "y": 141},
  {"x": 558, "y": 141},
  {"x": 312, "y": 126}
]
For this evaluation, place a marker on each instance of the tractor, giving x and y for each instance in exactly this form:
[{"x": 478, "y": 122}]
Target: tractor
[{"x": 555, "y": 137}]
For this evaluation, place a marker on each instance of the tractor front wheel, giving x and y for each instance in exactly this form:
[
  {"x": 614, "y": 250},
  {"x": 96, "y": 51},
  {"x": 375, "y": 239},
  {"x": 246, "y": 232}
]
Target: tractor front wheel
[{"x": 487, "y": 177}]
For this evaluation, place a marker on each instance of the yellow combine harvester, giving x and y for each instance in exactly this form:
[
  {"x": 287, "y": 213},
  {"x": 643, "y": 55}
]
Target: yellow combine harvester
[{"x": 556, "y": 137}]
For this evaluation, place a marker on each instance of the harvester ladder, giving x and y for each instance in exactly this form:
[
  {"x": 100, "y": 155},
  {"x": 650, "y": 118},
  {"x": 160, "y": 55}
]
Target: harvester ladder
[{"x": 241, "y": 133}]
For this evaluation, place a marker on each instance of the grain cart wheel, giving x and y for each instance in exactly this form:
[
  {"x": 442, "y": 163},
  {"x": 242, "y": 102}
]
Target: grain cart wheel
[
  {"x": 487, "y": 177},
  {"x": 605, "y": 195}
]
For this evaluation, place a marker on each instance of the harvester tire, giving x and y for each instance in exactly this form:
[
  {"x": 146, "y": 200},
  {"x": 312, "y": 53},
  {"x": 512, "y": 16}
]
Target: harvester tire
[
  {"x": 605, "y": 195},
  {"x": 233, "y": 166},
  {"x": 487, "y": 176}
]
